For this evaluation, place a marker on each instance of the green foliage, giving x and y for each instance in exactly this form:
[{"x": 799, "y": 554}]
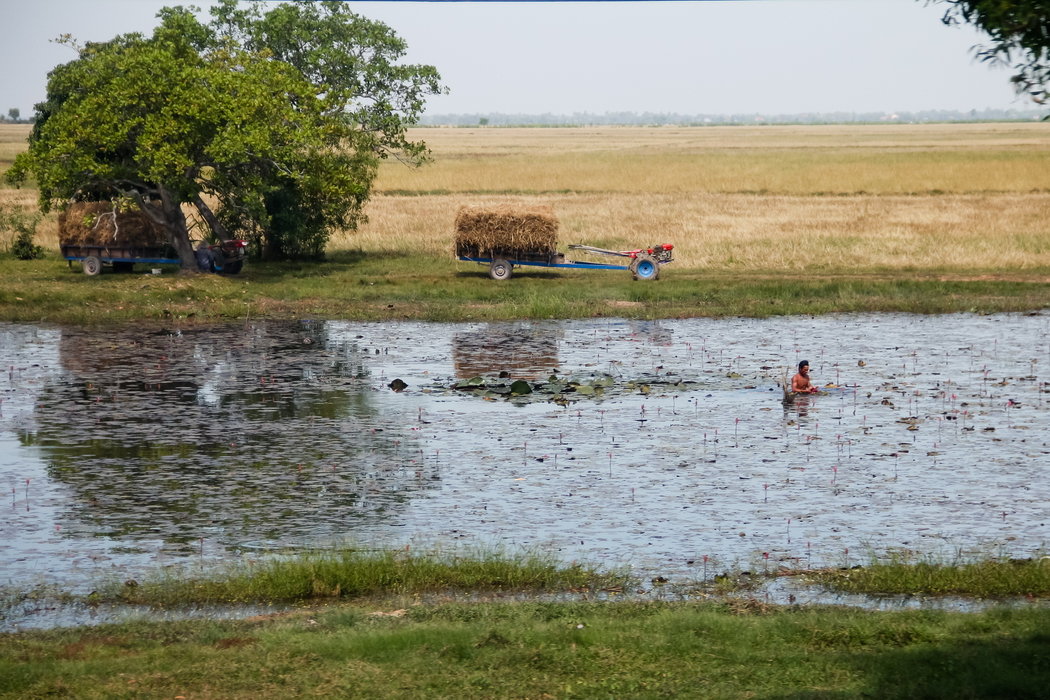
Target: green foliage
[
  {"x": 23, "y": 224},
  {"x": 23, "y": 247},
  {"x": 1019, "y": 36},
  {"x": 354, "y": 62}
]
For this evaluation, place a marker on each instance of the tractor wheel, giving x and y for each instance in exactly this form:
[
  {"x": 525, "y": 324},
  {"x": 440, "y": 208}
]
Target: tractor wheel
[
  {"x": 645, "y": 268},
  {"x": 92, "y": 265}
]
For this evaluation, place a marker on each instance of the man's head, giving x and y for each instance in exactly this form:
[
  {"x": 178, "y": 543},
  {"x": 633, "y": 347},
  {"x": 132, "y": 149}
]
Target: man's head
[{"x": 803, "y": 366}]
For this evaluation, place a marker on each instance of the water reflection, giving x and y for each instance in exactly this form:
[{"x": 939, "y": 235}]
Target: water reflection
[
  {"x": 798, "y": 407},
  {"x": 258, "y": 433},
  {"x": 518, "y": 350}
]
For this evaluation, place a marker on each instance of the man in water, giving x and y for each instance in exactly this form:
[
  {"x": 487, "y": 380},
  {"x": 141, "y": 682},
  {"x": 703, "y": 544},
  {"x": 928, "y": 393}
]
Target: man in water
[{"x": 800, "y": 382}]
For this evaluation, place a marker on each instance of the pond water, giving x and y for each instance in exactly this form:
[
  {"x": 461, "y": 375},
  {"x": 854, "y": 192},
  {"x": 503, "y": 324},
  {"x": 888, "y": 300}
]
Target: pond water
[{"x": 662, "y": 445}]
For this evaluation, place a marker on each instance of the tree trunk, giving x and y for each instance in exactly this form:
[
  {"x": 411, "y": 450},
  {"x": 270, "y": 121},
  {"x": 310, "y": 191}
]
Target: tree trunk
[
  {"x": 209, "y": 217},
  {"x": 178, "y": 234},
  {"x": 169, "y": 215}
]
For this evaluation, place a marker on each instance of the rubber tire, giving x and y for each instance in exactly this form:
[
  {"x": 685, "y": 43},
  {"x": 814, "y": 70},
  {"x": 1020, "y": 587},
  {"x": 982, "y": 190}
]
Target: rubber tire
[
  {"x": 232, "y": 268},
  {"x": 645, "y": 268},
  {"x": 92, "y": 265},
  {"x": 501, "y": 270}
]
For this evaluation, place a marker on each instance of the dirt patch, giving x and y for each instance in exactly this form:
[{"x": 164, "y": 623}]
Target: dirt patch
[{"x": 235, "y": 642}]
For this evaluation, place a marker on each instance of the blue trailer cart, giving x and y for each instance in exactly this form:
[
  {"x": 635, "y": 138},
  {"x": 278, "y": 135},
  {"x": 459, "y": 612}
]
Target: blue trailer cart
[
  {"x": 227, "y": 257},
  {"x": 643, "y": 263}
]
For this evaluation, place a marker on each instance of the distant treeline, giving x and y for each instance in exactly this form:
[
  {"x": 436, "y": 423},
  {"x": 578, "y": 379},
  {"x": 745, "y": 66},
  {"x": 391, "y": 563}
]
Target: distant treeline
[
  {"x": 671, "y": 119},
  {"x": 674, "y": 119}
]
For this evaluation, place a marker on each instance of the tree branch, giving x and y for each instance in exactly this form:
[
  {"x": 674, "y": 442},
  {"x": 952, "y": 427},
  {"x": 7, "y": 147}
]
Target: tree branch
[{"x": 209, "y": 216}]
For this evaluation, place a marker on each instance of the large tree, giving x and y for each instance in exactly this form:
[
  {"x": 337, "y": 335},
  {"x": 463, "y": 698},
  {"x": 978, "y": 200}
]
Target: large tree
[
  {"x": 1020, "y": 38},
  {"x": 201, "y": 113},
  {"x": 356, "y": 65}
]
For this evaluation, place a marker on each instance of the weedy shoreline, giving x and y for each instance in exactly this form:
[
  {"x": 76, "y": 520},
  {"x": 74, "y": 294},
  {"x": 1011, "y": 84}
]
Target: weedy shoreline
[{"x": 399, "y": 646}]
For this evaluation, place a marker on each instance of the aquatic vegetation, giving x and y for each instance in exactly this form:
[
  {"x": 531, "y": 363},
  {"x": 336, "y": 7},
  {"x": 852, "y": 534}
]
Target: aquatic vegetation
[
  {"x": 570, "y": 389},
  {"x": 989, "y": 578},
  {"x": 354, "y": 573}
]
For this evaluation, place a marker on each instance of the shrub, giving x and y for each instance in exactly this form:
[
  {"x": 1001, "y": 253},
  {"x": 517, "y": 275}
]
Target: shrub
[{"x": 23, "y": 224}]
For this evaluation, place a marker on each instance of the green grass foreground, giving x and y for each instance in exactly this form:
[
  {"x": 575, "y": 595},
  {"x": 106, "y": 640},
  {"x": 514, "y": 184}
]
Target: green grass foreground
[
  {"x": 544, "y": 650},
  {"x": 385, "y": 287},
  {"x": 374, "y": 638}
]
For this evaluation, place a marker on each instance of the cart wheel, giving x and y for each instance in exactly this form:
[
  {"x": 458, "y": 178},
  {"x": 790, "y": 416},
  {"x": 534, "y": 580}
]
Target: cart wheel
[
  {"x": 645, "y": 268},
  {"x": 92, "y": 265},
  {"x": 232, "y": 268},
  {"x": 500, "y": 270}
]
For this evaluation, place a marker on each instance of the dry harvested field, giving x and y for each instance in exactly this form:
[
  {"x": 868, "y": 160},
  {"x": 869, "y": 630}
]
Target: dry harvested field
[
  {"x": 951, "y": 198},
  {"x": 942, "y": 197},
  {"x": 12, "y": 142}
]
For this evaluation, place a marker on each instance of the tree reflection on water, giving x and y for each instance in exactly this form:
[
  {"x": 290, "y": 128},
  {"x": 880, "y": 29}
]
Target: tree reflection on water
[{"x": 261, "y": 433}]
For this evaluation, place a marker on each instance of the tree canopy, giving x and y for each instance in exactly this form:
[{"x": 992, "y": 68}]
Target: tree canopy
[
  {"x": 1020, "y": 38},
  {"x": 280, "y": 118}
]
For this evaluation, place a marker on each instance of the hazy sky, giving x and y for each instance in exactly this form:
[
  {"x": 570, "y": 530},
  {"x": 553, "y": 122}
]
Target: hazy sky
[{"x": 701, "y": 57}]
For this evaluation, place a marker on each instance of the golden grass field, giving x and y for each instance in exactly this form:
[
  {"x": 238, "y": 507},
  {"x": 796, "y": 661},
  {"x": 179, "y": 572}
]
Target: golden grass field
[
  {"x": 952, "y": 198},
  {"x": 861, "y": 197}
]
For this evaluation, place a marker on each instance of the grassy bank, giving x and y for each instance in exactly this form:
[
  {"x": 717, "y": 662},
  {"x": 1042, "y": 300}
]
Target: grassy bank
[
  {"x": 543, "y": 650},
  {"x": 370, "y": 635},
  {"x": 402, "y": 287}
]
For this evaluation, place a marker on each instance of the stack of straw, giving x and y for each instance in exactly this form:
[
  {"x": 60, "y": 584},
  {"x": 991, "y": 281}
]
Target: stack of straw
[
  {"x": 103, "y": 223},
  {"x": 506, "y": 229}
]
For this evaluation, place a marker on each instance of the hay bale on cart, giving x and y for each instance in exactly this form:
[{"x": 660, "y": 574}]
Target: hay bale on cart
[
  {"x": 506, "y": 229},
  {"x": 105, "y": 223},
  {"x": 506, "y": 233}
]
